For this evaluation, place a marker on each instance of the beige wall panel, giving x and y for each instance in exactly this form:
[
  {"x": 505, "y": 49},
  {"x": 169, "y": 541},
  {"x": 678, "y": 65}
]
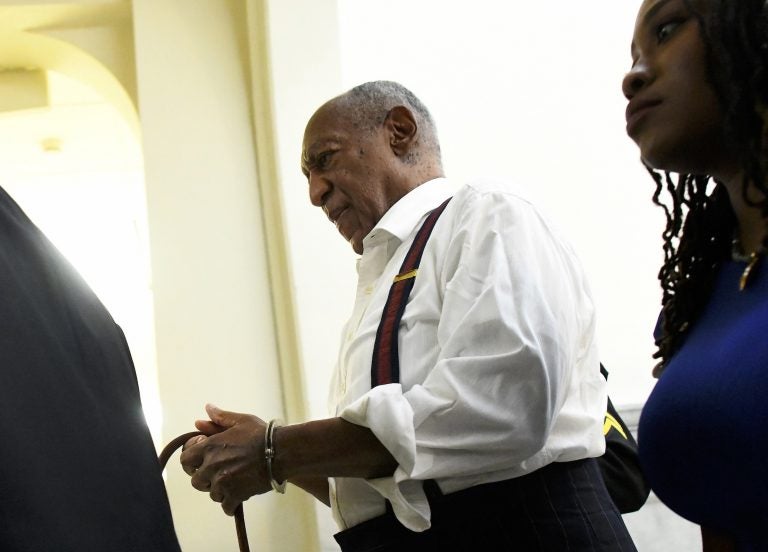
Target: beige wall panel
[{"x": 215, "y": 327}]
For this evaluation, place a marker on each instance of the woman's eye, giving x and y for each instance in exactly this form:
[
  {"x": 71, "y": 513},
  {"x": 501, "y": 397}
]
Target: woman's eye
[{"x": 665, "y": 30}]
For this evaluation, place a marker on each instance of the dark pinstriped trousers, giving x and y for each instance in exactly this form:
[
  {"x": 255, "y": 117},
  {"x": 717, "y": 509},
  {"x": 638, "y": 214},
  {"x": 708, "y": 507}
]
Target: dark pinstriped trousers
[{"x": 559, "y": 508}]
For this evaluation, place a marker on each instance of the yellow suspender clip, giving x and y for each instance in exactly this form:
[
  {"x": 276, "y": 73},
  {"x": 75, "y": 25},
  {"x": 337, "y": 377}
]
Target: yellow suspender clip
[{"x": 406, "y": 275}]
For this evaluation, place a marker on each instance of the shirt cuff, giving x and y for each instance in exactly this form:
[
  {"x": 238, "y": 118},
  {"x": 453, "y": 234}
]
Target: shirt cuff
[{"x": 387, "y": 413}]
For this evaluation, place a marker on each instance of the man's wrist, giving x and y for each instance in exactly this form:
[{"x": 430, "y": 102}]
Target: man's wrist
[{"x": 270, "y": 452}]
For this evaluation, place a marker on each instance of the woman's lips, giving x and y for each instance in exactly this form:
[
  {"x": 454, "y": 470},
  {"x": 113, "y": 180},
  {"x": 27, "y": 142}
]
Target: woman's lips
[{"x": 636, "y": 112}]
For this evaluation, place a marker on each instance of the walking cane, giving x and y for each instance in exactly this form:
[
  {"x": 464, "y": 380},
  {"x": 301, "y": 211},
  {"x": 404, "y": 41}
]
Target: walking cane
[{"x": 173, "y": 446}]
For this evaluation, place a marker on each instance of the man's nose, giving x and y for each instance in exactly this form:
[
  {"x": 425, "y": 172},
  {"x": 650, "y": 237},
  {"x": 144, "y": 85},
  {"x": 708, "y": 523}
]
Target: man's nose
[{"x": 318, "y": 189}]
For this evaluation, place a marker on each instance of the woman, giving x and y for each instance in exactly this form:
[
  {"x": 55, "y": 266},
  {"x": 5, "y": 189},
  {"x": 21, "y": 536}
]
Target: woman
[{"x": 697, "y": 91}]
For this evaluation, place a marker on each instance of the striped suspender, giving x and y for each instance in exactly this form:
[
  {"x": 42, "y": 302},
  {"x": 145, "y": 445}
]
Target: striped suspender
[{"x": 385, "y": 367}]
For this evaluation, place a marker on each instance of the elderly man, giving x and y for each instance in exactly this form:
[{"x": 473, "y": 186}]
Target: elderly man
[{"x": 468, "y": 397}]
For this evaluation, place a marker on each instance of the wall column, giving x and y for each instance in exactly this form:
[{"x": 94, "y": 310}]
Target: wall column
[{"x": 215, "y": 330}]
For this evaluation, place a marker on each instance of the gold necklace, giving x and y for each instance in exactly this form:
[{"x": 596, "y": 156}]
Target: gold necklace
[{"x": 752, "y": 260}]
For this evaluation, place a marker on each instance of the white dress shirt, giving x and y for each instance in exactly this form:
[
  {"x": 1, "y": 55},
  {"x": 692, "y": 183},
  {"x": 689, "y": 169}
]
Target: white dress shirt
[{"x": 499, "y": 372}]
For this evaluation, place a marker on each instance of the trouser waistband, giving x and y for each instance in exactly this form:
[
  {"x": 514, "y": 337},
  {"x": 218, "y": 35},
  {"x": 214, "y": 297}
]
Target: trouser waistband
[{"x": 563, "y": 495}]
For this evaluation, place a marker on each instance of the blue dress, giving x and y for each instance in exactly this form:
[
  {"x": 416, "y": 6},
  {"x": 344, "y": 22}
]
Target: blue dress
[{"x": 703, "y": 434}]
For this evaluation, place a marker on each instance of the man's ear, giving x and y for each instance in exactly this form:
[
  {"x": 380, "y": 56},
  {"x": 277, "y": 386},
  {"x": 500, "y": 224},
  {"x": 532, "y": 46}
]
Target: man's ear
[{"x": 402, "y": 128}]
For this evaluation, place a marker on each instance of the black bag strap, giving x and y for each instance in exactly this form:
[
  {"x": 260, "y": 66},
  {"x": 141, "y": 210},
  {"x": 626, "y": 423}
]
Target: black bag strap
[
  {"x": 385, "y": 367},
  {"x": 620, "y": 465}
]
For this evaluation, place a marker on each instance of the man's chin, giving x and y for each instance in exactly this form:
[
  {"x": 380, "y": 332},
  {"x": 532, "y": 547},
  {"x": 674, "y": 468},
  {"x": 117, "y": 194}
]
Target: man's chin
[
  {"x": 357, "y": 245},
  {"x": 355, "y": 240}
]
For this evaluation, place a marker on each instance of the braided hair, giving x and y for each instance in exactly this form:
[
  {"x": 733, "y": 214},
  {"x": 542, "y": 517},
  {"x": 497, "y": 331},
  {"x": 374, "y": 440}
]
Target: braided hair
[{"x": 700, "y": 220}]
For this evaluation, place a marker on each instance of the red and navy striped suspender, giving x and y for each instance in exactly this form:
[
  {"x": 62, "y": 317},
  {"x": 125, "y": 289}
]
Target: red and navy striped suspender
[{"x": 385, "y": 367}]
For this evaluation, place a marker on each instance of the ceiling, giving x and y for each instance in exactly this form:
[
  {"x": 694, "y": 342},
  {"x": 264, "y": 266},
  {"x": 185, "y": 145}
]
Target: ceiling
[{"x": 78, "y": 131}]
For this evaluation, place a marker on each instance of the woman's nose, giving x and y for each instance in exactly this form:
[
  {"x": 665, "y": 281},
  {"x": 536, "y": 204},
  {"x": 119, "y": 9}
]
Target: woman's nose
[{"x": 635, "y": 80}]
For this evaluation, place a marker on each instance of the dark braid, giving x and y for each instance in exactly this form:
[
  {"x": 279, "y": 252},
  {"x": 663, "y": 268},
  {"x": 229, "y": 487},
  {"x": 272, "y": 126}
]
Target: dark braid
[
  {"x": 700, "y": 220},
  {"x": 697, "y": 238}
]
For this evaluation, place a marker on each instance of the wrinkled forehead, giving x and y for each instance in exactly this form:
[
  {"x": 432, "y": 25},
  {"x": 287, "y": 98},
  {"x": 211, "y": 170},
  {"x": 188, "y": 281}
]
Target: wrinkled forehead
[
  {"x": 318, "y": 124},
  {"x": 326, "y": 121},
  {"x": 330, "y": 123}
]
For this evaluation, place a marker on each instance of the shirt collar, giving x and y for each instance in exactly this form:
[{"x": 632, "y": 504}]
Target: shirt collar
[{"x": 400, "y": 220}]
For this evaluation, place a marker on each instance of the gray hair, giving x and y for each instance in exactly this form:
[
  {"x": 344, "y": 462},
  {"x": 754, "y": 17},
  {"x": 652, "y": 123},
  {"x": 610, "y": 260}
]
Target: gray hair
[{"x": 368, "y": 104}]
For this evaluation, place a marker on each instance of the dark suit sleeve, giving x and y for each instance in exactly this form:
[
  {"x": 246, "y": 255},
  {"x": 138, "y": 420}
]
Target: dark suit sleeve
[{"x": 79, "y": 471}]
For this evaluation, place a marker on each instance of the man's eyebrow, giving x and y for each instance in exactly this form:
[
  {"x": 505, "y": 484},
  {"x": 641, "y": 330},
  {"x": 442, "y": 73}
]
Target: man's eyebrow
[
  {"x": 311, "y": 150},
  {"x": 305, "y": 158},
  {"x": 315, "y": 148},
  {"x": 308, "y": 158},
  {"x": 309, "y": 154}
]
